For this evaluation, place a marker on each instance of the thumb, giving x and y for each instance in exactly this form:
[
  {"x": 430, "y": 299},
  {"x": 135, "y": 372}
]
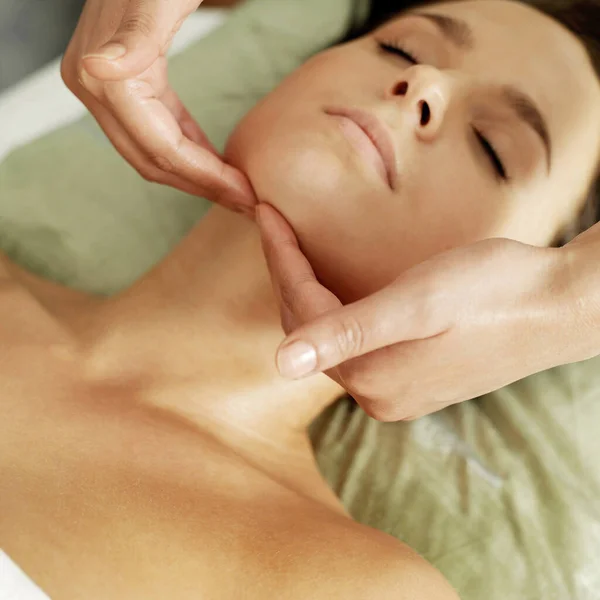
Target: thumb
[
  {"x": 398, "y": 313},
  {"x": 143, "y": 34}
]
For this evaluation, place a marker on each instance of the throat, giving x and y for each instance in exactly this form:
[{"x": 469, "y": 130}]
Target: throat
[{"x": 197, "y": 337}]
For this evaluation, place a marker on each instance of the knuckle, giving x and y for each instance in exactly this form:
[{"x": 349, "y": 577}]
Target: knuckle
[
  {"x": 74, "y": 76},
  {"x": 221, "y": 175},
  {"x": 80, "y": 80},
  {"x": 68, "y": 73},
  {"x": 116, "y": 94},
  {"x": 140, "y": 23},
  {"x": 360, "y": 381},
  {"x": 291, "y": 290},
  {"x": 162, "y": 163},
  {"x": 392, "y": 404},
  {"x": 288, "y": 323},
  {"x": 287, "y": 296},
  {"x": 428, "y": 314},
  {"x": 216, "y": 189},
  {"x": 385, "y": 411},
  {"x": 349, "y": 336},
  {"x": 148, "y": 173}
]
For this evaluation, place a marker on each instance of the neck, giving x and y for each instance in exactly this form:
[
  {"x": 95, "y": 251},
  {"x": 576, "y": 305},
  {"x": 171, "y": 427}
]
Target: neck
[{"x": 197, "y": 336}]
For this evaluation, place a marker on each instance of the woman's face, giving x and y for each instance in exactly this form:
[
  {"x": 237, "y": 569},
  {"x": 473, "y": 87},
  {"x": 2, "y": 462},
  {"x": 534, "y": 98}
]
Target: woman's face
[{"x": 450, "y": 124}]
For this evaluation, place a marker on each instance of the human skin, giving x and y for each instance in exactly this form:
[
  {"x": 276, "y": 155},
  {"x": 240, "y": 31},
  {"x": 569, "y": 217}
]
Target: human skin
[
  {"x": 152, "y": 449},
  {"x": 116, "y": 65},
  {"x": 357, "y": 233},
  {"x": 387, "y": 350},
  {"x": 409, "y": 322}
]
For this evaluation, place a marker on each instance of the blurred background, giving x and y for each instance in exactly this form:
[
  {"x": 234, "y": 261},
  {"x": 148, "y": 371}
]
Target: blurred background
[
  {"x": 32, "y": 33},
  {"x": 33, "y": 36}
]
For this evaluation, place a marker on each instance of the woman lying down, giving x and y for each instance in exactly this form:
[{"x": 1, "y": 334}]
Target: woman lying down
[{"x": 148, "y": 447}]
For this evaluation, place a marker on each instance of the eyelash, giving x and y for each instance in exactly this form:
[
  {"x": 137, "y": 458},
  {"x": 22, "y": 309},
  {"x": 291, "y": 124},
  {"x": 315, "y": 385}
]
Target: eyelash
[
  {"x": 396, "y": 49},
  {"x": 492, "y": 155}
]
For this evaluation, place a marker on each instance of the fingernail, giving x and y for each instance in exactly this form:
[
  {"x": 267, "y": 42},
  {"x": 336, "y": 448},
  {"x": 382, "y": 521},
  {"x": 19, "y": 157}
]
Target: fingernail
[
  {"x": 299, "y": 359},
  {"x": 109, "y": 52}
]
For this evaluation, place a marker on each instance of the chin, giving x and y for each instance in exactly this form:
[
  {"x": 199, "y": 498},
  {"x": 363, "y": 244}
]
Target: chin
[
  {"x": 324, "y": 196},
  {"x": 299, "y": 173}
]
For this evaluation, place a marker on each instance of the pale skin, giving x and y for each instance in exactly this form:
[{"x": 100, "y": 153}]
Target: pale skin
[
  {"x": 133, "y": 102},
  {"x": 386, "y": 348},
  {"x": 487, "y": 302},
  {"x": 152, "y": 448}
]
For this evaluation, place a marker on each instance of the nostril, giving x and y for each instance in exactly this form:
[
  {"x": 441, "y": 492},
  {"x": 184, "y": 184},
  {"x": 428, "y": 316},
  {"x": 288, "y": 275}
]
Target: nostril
[
  {"x": 425, "y": 113},
  {"x": 401, "y": 88}
]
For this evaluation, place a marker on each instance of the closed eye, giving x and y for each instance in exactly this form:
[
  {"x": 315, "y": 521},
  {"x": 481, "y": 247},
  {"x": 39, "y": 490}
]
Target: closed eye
[
  {"x": 395, "y": 48},
  {"x": 492, "y": 155}
]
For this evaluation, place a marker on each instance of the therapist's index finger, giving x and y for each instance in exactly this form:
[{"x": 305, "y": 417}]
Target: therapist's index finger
[
  {"x": 298, "y": 289},
  {"x": 396, "y": 314},
  {"x": 286, "y": 263}
]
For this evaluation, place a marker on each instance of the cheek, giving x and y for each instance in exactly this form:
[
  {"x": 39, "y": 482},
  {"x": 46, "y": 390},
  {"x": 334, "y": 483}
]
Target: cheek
[
  {"x": 452, "y": 200},
  {"x": 358, "y": 238},
  {"x": 281, "y": 124},
  {"x": 295, "y": 165},
  {"x": 292, "y": 164},
  {"x": 359, "y": 252},
  {"x": 278, "y": 144},
  {"x": 292, "y": 152}
]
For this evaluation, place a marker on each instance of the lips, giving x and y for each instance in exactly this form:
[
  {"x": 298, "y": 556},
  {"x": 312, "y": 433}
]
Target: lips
[{"x": 375, "y": 134}]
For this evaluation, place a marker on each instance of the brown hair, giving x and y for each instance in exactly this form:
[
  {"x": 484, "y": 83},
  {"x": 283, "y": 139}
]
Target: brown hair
[{"x": 581, "y": 17}]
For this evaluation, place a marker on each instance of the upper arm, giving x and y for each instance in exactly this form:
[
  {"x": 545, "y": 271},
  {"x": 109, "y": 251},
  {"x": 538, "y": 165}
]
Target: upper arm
[
  {"x": 373, "y": 565},
  {"x": 414, "y": 580},
  {"x": 390, "y": 570}
]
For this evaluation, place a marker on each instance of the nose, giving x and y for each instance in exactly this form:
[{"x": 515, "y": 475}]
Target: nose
[{"x": 425, "y": 92}]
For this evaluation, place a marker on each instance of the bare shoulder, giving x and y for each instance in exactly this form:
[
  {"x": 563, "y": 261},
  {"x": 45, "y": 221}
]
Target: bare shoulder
[
  {"x": 393, "y": 571},
  {"x": 362, "y": 563},
  {"x": 403, "y": 577}
]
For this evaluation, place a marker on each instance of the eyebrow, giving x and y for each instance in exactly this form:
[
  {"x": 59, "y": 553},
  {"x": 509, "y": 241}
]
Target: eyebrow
[
  {"x": 526, "y": 109},
  {"x": 457, "y": 31},
  {"x": 460, "y": 34}
]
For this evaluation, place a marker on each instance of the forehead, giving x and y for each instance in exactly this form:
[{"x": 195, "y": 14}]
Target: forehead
[{"x": 509, "y": 43}]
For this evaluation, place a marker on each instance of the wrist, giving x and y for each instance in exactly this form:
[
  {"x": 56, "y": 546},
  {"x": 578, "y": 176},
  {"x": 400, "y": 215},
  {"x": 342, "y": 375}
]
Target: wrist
[{"x": 578, "y": 300}]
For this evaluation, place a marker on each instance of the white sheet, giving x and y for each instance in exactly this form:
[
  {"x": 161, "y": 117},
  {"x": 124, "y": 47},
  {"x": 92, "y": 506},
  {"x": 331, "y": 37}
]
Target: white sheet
[
  {"x": 14, "y": 584},
  {"x": 28, "y": 110}
]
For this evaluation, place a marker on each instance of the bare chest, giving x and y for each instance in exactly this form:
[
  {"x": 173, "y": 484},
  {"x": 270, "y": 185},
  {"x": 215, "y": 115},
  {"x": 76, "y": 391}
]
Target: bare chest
[{"x": 117, "y": 504}]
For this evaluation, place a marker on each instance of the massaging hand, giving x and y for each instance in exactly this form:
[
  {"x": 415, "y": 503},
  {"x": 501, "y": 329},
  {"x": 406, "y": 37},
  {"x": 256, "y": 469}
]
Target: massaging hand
[
  {"x": 116, "y": 65},
  {"x": 457, "y": 326}
]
